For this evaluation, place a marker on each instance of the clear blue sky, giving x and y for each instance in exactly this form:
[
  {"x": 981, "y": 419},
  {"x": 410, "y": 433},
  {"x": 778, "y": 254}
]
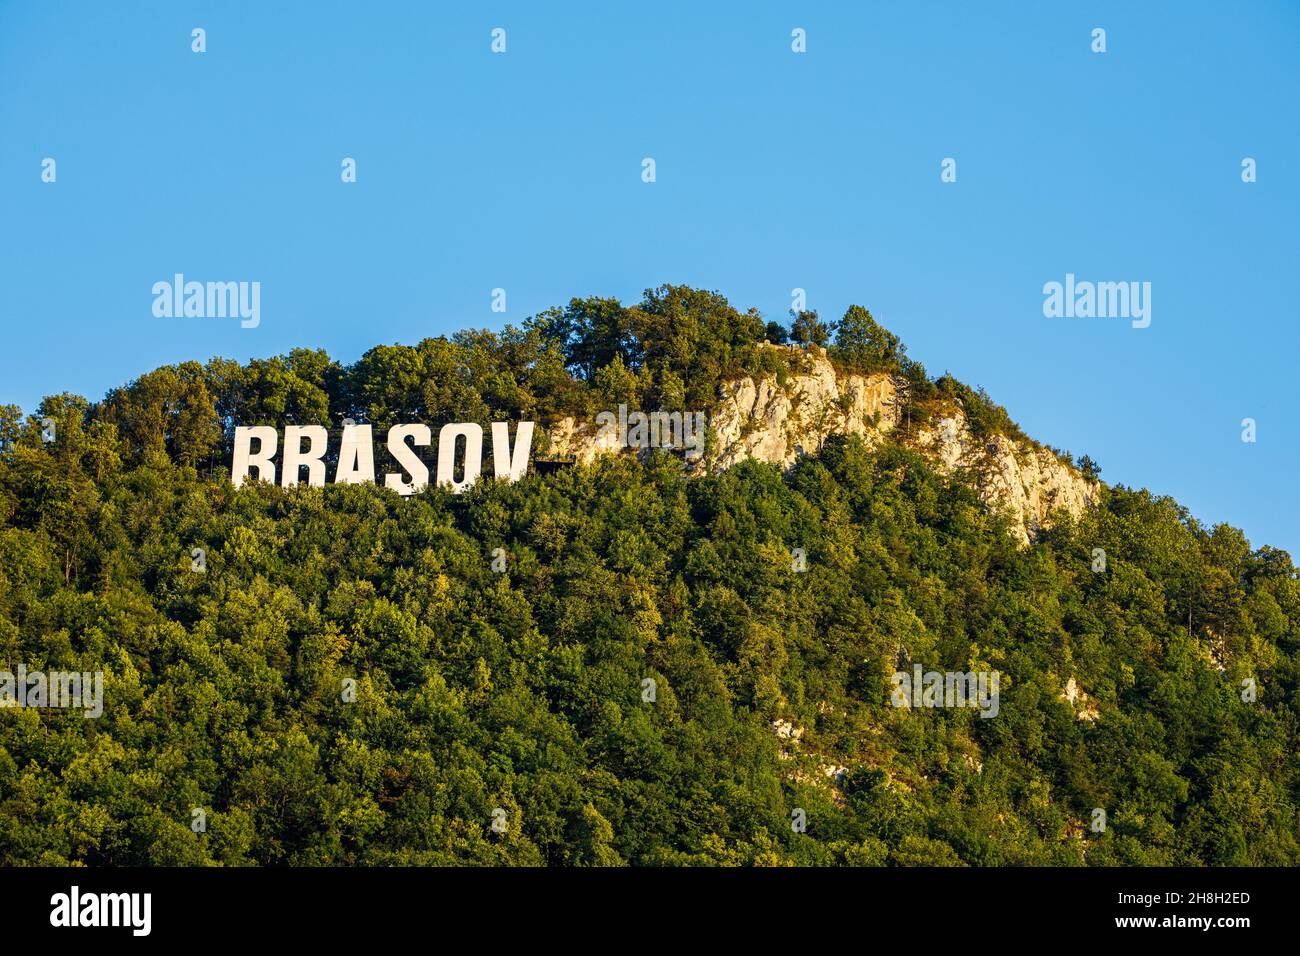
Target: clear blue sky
[{"x": 775, "y": 170}]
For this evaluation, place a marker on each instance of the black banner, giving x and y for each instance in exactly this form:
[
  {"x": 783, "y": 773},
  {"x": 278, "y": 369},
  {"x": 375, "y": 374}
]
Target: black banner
[{"x": 339, "y": 905}]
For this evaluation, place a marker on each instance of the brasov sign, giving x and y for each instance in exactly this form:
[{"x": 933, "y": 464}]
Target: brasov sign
[{"x": 356, "y": 454}]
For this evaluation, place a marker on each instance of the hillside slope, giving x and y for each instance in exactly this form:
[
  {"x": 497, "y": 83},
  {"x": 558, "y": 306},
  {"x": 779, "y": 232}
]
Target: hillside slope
[{"x": 633, "y": 659}]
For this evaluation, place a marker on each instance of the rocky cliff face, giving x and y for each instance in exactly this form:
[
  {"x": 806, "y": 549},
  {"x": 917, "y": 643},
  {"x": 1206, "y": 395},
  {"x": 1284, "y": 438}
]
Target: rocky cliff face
[
  {"x": 1030, "y": 483},
  {"x": 778, "y": 419}
]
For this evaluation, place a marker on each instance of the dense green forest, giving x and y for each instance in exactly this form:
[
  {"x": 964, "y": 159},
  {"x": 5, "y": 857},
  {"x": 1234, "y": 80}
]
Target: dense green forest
[{"x": 516, "y": 694}]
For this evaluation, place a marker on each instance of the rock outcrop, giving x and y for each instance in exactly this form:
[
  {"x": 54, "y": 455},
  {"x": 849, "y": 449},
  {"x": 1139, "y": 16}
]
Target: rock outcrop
[
  {"x": 1084, "y": 706},
  {"x": 779, "y": 418},
  {"x": 1029, "y": 482},
  {"x": 777, "y": 422}
]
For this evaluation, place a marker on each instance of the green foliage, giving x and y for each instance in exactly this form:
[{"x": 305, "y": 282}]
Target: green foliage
[
  {"x": 524, "y": 691},
  {"x": 983, "y": 415},
  {"x": 678, "y": 341},
  {"x": 807, "y": 329},
  {"x": 863, "y": 345}
]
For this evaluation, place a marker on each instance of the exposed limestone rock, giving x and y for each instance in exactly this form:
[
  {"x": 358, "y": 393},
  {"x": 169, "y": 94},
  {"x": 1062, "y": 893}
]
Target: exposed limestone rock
[
  {"x": 778, "y": 419},
  {"x": 1085, "y": 707},
  {"x": 834, "y": 772},
  {"x": 582, "y": 443},
  {"x": 1029, "y": 482},
  {"x": 1215, "y": 648},
  {"x": 777, "y": 422},
  {"x": 787, "y": 730},
  {"x": 1071, "y": 691}
]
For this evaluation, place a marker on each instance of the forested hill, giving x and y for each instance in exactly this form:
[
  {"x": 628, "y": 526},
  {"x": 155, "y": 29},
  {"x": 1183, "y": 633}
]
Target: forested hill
[{"x": 615, "y": 663}]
